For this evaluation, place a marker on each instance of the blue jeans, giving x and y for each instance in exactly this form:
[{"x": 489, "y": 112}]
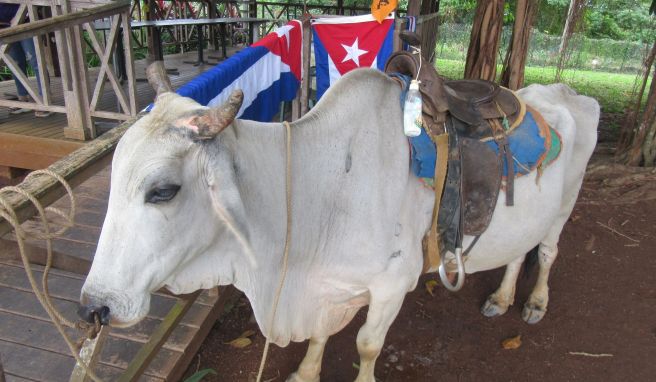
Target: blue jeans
[{"x": 23, "y": 52}]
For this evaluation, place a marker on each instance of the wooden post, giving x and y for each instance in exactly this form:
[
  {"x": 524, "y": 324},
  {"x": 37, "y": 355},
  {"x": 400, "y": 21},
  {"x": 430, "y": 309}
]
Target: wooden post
[
  {"x": 301, "y": 97},
  {"x": 214, "y": 38},
  {"x": 307, "y": 49},
  {"x": 149, "y": 350},
  {"x": 90, "y": 355},
  {"x": 82, "y": 127},
  {"x": 154, "y": 53},
  {"x": 129, "y": 63},
  {"x": 76, "y": 93},
  {"x": 399, "y": 25},
  {"x": 2, "y": 371},
  {"x": 512, "y": 76},
  {"x": 484, "y": 41}
]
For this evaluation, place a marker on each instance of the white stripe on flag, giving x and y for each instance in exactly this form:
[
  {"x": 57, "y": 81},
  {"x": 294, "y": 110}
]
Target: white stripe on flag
[
  {"x": 332, "y": 71},
  {"x": 260, "y": 76}
]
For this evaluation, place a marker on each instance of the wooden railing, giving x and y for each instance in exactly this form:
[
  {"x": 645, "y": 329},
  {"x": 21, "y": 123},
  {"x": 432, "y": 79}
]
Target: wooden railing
[{"x": 69, "y": 19}]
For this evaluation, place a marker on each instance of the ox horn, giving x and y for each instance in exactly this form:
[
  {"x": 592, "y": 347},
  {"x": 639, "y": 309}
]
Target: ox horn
[
  {"x": 157, "y": 78},
  {"x": 212, "y": 122}
]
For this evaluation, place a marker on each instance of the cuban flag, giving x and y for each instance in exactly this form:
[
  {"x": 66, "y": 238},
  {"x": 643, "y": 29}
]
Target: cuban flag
[
  {"x": 268, "y": 72},
  {"x": 342, "y": 44}
]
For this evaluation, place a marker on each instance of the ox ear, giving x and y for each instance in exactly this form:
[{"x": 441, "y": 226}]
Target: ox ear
[{"x": 211, "y": 122}]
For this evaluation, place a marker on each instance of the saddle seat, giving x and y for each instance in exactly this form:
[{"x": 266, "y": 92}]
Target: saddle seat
[
  {"x": 472, "y": 102},
  {"x": 472, "y": 112}
]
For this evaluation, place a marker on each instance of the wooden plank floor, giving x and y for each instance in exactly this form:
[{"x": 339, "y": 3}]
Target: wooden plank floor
[
  {"x": 52, "y": 127},
  {"x": 30, "y": 347}
]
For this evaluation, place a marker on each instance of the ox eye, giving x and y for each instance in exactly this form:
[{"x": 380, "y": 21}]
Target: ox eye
[{"x": 162, "y": 194}]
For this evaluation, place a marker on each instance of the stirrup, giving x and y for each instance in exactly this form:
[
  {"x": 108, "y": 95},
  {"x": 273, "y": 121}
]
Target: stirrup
[{"x": 461, "y": 272}]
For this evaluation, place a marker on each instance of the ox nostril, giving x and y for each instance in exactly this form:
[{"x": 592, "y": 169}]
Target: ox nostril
[{"x": 88, "y": 313}]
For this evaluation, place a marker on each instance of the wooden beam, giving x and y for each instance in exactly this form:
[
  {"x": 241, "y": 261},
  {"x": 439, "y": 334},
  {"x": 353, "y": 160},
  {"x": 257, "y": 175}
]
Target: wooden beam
[
  {"x": 23, "y": 31},
  {"x": 149, "y": 350},
  {"x": 228, "y": 297},
  {"x": 37, "y": 255},
  {"x": 75, "y": 168},
  {"x": 33, "y": 153}
]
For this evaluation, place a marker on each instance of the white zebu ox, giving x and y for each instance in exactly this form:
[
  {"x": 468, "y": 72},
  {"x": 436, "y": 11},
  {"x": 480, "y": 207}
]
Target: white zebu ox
[{"x": 358, "y": 214}]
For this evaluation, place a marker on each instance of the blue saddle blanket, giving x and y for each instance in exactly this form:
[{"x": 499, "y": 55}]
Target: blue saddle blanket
[{"x": 529, "y": 143}]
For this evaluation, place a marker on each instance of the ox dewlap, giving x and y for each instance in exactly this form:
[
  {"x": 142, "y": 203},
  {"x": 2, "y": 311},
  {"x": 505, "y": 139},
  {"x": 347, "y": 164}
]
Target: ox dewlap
[{"x": 412, "y": 111}]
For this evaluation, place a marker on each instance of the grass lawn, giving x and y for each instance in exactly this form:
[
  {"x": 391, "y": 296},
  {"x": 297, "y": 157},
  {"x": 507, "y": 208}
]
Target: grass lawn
[{"x": 612, "y": 90}]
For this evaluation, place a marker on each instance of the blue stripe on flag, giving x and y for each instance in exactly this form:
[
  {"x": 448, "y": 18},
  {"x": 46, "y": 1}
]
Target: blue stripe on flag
[
  {"x": 267, "y": 103},
  {"x": 386, "y": 49},
  {"x": 321, "y": 62},
  {"x": 204, "y": 87}
]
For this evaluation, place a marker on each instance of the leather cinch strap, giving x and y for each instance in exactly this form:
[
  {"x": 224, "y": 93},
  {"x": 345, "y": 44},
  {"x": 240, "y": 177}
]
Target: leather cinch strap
[{"x": 432, "y": 240}]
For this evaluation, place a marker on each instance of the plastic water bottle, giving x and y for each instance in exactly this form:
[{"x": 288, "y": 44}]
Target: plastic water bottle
[{"x": 412, "y": 119}]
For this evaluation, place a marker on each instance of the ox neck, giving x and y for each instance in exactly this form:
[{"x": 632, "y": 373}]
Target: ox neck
[{"x": 259, "y": 154}]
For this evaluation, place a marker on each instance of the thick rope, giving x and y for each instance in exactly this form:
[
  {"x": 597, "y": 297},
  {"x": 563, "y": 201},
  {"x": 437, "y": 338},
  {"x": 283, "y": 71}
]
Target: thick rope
[
  {"x": 288, "y": 237},
  {"x": 9, "y": 214}
]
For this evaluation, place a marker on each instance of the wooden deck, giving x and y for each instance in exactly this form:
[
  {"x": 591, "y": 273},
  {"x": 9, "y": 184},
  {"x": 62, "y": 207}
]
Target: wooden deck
[
  {"x": 30, "y": 347},
  {"x": 33, "y": 143}
]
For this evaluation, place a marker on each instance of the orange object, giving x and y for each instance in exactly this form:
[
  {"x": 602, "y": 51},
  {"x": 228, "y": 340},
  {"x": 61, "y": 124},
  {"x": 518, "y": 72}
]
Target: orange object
[{"x": 382, "y": 8}]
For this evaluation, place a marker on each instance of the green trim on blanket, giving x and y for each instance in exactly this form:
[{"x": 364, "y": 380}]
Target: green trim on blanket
[{"x": 554, "y": 150}]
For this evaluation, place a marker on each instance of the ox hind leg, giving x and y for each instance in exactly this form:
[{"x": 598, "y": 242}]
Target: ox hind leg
[
  {"x": 383, "y": 308},
  {"x": 536, "y": 306},
  {"x": 498, "y": 302},
  {"x": 310, "y": 367}
]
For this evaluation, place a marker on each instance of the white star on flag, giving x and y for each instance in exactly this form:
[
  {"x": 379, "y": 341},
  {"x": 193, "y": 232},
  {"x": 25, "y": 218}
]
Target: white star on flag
[
  {"x": 284, "y": 31},
  {"x": 353, "y": 52}
]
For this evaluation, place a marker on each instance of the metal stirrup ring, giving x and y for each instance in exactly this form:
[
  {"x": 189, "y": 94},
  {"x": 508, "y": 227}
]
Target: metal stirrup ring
[{"x": 461, "y": 273}]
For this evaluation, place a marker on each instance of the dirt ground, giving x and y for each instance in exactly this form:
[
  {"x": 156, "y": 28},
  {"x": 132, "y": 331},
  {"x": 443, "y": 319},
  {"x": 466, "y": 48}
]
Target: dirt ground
[{"x": 600, "y": 326}]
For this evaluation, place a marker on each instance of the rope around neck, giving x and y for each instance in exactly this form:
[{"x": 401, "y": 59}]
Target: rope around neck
[
  {"x": 288, "y": 191},
  {"x": 9, "y": 214}
]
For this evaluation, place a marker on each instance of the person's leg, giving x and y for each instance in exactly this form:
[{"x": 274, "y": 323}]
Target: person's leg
[
  {"x": 17, "y": 54},
  {"x": 30, "y": 56}
]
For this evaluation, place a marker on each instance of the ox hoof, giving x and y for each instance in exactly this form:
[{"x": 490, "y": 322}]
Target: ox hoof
[
  {"x": 532, "y": 313},
  {"x": 492, "y": 308},
  {"x": 295, "y": 377}
]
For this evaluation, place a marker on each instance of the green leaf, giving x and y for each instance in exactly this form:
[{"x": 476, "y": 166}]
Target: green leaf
[{"x": 199, "y": 375}]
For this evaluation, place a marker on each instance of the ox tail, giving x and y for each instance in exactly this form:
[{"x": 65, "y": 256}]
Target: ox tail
[{"x": 531, "y": 261}]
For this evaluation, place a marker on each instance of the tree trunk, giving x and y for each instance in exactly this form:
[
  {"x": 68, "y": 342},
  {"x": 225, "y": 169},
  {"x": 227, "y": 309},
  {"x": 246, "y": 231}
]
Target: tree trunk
[
  {"x": 626, "y": 132},
  {"x": 574, "y": 14},
  {"x": 414, "y": 7},
  {"x": 640, "y": 144},
  {"x": 428, "y": 6},
  {"x": 484, "y": 41},
  {"x": 512, "y": 76},
  {"x": 649, "y": 147}
]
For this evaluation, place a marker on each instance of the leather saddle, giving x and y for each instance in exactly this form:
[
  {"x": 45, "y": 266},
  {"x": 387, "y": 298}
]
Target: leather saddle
[{"x": 471, "y": 111}]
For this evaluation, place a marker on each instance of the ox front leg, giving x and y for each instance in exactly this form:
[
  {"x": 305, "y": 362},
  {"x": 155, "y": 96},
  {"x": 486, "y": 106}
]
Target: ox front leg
[
  {"x": 536, "y": 306},
  {"x": 382, "y": 312},
  {"x": 310, "y": 367},
  {"x": 499, "y": 301}
]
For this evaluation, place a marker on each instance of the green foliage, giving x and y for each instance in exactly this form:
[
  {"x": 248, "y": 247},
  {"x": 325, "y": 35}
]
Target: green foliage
[
  {"x": 457, "y": 11},
  {"x": 612, "y": 19},
  {"x": 199, "y": 375},
  {"x": 620, "y": 20},
  {"x": 600, "y": 54}
]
